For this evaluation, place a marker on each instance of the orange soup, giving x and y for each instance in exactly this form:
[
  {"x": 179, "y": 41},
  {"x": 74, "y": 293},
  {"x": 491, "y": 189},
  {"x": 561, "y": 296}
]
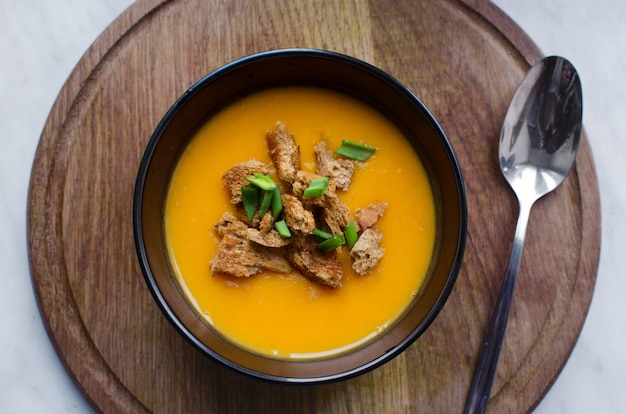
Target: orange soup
[{"x": 287, "y": 315}]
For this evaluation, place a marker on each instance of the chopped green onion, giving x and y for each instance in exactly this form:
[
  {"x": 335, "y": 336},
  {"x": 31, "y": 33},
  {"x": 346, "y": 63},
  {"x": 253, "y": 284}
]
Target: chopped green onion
[
  {"x": 264, "y": 182},
  {"x": 282, "y": 228},
  {"x": 332, "y": 243},
  {"x": 270, "y": 195},
  {"x": 250, "y": 197},
  {"x": 321, "y": 235},
  {"x": 351, "y": 234},
  {"x": 277, "y": 203},
  {"x": 266, "y": 201},
  {"x": 317, "y": 187},
  {"x": 355, "y": 151}
]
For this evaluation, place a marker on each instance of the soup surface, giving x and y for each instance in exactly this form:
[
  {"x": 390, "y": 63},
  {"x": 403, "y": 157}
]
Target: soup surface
[{"x": 287, "y": 315}]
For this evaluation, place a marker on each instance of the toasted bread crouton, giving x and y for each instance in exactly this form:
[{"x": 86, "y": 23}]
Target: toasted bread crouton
[
  {"x": 269, "y": 238},
  {"x": 229, "y": 223},
  {"x": 369, "y": 215},
  {"x": 265, "y": 236},
  {"x": 367, "y": 252},
  {"x": 323, "y": 268},
  {"x": 302, "y": 181},
  {"x": 339, "y": 170},
  {"x": 296, "y": 216},
  {"x": 284, "y": 151},
  {"x": 267, "y": 222},
  {"x": 235, "y": 177},
  {"x": 336, "y": 214},
  {"x": 241, "y": 258}
]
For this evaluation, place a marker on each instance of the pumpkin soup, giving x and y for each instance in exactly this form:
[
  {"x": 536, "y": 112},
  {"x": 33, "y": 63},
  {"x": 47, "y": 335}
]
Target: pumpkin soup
[{"x": 278, "y": 311}]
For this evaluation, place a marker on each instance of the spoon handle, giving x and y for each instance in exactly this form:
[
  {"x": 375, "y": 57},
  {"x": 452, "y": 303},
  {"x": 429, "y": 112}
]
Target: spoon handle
[{"x": 486, "y": 369}]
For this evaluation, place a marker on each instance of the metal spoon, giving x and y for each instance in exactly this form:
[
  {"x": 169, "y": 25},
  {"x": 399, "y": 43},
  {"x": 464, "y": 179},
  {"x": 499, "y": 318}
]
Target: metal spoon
[{"x": 538, "y": 145}]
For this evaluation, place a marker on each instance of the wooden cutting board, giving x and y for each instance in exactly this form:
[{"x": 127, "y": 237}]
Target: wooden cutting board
[{"x": 464, "y": 60}]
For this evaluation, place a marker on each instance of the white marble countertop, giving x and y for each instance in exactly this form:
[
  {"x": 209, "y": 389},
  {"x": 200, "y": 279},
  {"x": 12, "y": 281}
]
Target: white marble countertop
[{"x": 42, "y": 40}]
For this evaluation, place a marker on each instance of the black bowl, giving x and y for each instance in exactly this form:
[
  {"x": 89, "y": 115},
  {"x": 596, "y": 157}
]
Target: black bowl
[{"x": 303, "y": 67}]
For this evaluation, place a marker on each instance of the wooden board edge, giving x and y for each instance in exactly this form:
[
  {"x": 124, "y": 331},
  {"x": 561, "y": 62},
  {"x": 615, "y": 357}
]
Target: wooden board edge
[{"x": 42, "y": 230}]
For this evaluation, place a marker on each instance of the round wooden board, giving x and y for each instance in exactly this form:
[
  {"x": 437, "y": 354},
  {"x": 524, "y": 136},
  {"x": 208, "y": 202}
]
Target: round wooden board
[{"x": 463, "y": 60}]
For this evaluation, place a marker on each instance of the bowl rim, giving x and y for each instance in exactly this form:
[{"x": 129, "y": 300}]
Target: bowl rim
[{"x": 138, "y": 228}]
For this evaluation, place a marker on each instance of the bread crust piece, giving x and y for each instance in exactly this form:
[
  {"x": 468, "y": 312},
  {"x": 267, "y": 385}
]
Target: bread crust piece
[
  {"x": 296, "y": 216},
  {"x": 302, "y": 181},
  {"x": 366, "y": 253},
  {"x": 268, "y": 239},
  {"x": 231, "y": 224},
  {"x": 242, "y": 258},
  {"x": 235, "y": 177},
  {"x": 339, "y": 170},
  {"x": 334, "y": 212},
  {"x": 244, "y": 251},
  {"x": 284, "y": 151},
  {"x": 266, "y": 235},
  {"x": 266, "y": 223},
  {"x": 336, "y": 215},
  {"x": 323, "y": 268},
  {"x": 369, "y": 215}
]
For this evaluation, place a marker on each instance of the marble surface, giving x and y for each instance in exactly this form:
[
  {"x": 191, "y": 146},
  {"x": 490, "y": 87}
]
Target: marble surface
[{"x": 42, "y": 40}]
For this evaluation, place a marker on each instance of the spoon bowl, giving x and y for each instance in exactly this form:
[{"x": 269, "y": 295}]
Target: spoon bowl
[
  {"x": 541, "y": 131},
  {"x": 538, "y": 145}
]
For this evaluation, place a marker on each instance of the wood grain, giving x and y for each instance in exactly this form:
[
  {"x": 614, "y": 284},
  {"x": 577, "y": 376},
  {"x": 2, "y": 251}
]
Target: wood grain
[{"x": 464, "y": 60}]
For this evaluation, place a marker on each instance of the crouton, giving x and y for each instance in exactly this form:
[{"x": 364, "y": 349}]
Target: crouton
[
  {"x": 284, "y": 151},
  {"x": 266, "y": 223},
  {"x": 241, "y": 214},
  {"x": 241, "y": 258},
  {"x": 335, "y": 213},
  {"x": 265, "y": 236},
  {"x": 296, "y": 216},
  {"x": 269, "y": 238},
  {"x": 235, "y": 177},
  {"x": 369, "y": 215},
  {"x": 302, "y": 181},
  {"x": 366, "y": 253},
  {"x": 229, "y": 223},
  {"x": 339, "y": 170},
  {"x": 323, "y": 268}
]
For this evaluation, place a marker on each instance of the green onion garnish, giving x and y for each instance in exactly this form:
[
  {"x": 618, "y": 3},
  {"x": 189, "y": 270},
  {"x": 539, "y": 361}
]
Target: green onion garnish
[
  {"x": 317, "y": 187},
  {"x": 332, "y": 243},
  {"x": 351, "y": 234},
  {"x": 250, "y": 197},
  {"x": 355, "y": 151},
  {"x": 321, "y": 235},
  {"x": 264, "y": 182},
  {"x": 282, "y": 228},
  {"x": 266, "y": 201},
  {"x": 277, "y": 203},
  {"x": 270, "y": 196}
]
